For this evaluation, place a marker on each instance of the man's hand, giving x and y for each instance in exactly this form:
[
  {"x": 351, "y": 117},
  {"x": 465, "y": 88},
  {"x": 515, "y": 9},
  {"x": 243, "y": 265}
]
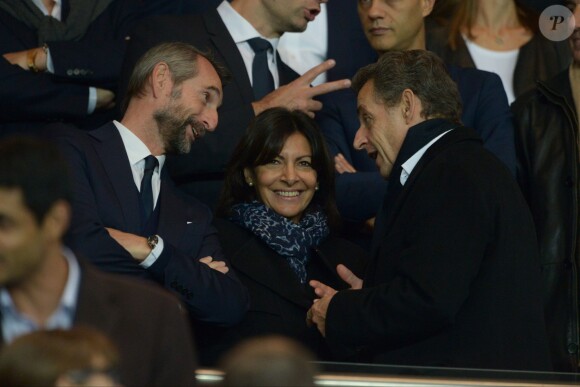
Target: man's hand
[
  {"x": 105, "y": 99},
  {"x": 341, "y": 165},
  {"x": 216, "y": 265},
  {"x": 136, "y": 245},
  {"x": 349, "y": 277},
  {"x": 317, "y": 313},
  {"x": 20, "y": 58},
  {"x": 298, "y": 95}
]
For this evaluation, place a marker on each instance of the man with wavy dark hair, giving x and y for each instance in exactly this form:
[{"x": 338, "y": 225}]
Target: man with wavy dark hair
[{"x": 453, "y": 278}]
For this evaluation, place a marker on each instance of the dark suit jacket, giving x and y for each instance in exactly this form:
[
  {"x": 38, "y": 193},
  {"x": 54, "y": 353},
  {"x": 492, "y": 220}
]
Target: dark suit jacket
[
  {"x": 279, "y": 301},
  {"x": 347, "y": 43},
  {"x": 454, "y": 278},
  {"x": 201, "y": 171},
  {"x": 105, "y": 195},
  {"x": 29, "y": 100},
  {"x": 147, "y": 325},
  {"x": 360, "y": 194}
]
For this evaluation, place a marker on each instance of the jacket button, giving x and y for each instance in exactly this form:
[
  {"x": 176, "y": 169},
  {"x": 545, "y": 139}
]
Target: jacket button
[
  {"x": 572, "y": 348},
  {"x": 69, "y": 72},
  {"x": 76, "y": 71},
  {"x": 569, "y": 182}
]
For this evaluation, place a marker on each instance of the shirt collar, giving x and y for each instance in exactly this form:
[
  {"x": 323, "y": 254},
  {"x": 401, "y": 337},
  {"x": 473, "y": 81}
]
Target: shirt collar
[
  {"x": 56, "y": 9},
  {"x": 135, "y": 148},
  {"x": 239, "y": 28},
  {"x": 68, "y": 300},
  {"x": 412, "y": 161}
]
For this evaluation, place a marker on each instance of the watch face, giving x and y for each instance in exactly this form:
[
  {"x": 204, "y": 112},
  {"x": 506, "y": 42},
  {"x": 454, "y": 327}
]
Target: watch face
[{"x": 152, "y": 241}]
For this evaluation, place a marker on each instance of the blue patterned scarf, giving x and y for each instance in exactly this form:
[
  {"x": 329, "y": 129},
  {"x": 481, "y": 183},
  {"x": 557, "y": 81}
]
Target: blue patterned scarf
[{"x": 291, "y": 240}]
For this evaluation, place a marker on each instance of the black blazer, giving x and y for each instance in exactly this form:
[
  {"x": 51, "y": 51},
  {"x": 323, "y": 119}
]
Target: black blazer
[
  {"x": 29, "y": 101},
  {"x": 105, "y": 195},
  {"x": 201, "y": 171},
  {"x": 347, "y": 43},
  {"x": 146, "y": 324},
  {"x": 279, "y": 301},
  {"x": 454, "y": 277}
]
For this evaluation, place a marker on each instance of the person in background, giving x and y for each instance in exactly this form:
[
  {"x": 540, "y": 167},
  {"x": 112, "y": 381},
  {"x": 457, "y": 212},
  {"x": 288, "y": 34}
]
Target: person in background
[
  {"x": 45, "y": 285},
  {"x": 269, "y": 361},
  {"x": 81, "y": 356},
  {"x": 502, "y": 37},
  {"x": 453, "y": 278},
  {"x": 244, "y": 36},
  {"x": 275, "y": 218},
  {"x": 61, "y": 60},
  {"x": 547, "y": 149}
]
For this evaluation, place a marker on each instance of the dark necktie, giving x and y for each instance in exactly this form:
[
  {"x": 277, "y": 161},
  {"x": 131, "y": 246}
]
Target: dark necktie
[
  {"x": 146, "y": 188},
  {"x": 263, "y": 82}
]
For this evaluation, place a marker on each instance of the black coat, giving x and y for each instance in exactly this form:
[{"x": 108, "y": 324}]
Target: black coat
[
  {"x": 547, "y": 148},
  {"x": 454, "y": 279},
  {"x": 278, "y": 301}
]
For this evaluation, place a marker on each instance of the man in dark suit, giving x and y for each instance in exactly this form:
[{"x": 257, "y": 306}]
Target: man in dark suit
[
  {"x": 227, "y": 31},
  {"x": 60, "y": 61},
  {"x": 44, "y": 285},
  {"x": 128, "y": 216},
  {"x": 400, "y": 26},
  {"x": 454, "y": 277}
]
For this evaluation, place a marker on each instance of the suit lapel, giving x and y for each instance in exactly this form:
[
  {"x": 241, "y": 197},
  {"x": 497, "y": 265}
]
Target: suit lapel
[
  {"x": 271, "y": 270},
  {"x": 111, "y": 151},
  {"x": 225, "y": 45},
  {"x": 285, "y": 72}
]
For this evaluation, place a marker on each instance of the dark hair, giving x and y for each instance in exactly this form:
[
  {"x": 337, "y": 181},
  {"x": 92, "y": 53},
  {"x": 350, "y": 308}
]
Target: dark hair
[
  {"x": 38, "y": 170},
  {"x": 464, "y": 18},
  {"x": 181, "y": 58},
  {"x": 41, "y": 357},
  {"x": 418, "y": 70},
  {"x": 262, "y": 142}
]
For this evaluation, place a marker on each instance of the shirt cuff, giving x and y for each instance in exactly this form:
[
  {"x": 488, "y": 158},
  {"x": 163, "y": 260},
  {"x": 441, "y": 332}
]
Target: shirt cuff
[
  {"x": 92, "y": 100},
  {"x": 49, "y": 64},
  {"x": 153, "y": 255}
]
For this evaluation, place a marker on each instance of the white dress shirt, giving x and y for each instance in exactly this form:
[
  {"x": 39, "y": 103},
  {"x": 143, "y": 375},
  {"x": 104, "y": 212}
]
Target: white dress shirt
[
  {"x": 136, "y": 152},
  {"x": 412, "y": 161},
  {"x": 241, "y": 31}
]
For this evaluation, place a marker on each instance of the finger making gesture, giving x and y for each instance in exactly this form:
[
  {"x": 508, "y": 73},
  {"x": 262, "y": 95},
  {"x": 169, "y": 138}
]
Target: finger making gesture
[{"x": 299, "y": 94}]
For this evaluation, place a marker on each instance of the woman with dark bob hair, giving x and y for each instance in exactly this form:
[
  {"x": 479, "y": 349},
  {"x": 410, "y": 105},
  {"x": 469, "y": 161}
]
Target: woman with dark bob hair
[{"x": 275, "y": 217}]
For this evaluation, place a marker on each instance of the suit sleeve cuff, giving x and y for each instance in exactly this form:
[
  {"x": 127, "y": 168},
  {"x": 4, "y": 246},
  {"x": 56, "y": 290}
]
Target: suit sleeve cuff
[{"x": 153, "y": 255}]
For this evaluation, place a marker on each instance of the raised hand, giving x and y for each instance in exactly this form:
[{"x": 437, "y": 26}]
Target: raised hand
[{"x": 299, "y": 95}]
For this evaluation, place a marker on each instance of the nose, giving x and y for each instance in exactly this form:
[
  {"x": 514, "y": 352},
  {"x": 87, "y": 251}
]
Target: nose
[
  {"x": 289, "y": 175},
  {"x": 372, "y": 10},
  {"x": 360, "y": 139},
  {"x": 210, "y": 119}
]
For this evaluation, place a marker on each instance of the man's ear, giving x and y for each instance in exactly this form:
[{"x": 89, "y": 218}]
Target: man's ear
[
  {"x": 427, "y": 7},
  {"x": 410, "y": 106},
  {"x": 57, "y": 220},
  {"x": 160, "y": 80}
]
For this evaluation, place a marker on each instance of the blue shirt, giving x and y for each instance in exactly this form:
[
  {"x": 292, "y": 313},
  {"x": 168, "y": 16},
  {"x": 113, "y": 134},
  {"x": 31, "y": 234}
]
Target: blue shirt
[{"x": 15, "y": 324}]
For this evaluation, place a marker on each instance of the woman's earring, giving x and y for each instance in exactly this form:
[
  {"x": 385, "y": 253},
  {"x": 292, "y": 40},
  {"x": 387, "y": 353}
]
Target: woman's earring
[
  {"x": 316, "y": 188},
  {"x": 250, "y": 183}
]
